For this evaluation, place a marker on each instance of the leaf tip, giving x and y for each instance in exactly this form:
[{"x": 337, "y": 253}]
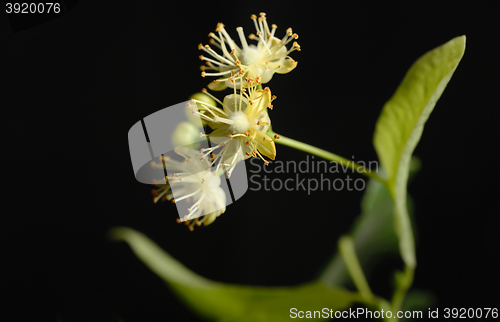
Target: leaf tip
[
  {"x": 460, "y": 40},
  {"x": 116, "y": 234}
]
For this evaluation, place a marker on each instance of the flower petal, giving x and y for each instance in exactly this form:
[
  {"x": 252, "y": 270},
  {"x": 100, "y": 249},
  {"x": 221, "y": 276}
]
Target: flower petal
[
  {"x": 264, "y": 98},
  {"x": 220, "y": 131},
  {"x": 209, "y": 218},
  {"x": 285, "y": 67},
  {"x": 265, "y": 145},
  {"x": 232, "y": 101},
  {"x": 267, "y": 75},
  {"x": 219, "y": 86}
]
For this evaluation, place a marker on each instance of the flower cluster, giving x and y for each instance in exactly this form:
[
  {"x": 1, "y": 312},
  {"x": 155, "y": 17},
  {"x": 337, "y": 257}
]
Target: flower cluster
[
  {"x": 193, "y": 183},
  {"x": 238, "y": 126},
  {"x": 269, "y": 56}
]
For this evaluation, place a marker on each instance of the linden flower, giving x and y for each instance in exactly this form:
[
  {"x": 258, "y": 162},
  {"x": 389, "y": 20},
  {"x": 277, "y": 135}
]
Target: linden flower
[
  {"x": 239, "y": 128},
  {"x": 194, "y": 184},
  {"x": 269, "y": 56}
]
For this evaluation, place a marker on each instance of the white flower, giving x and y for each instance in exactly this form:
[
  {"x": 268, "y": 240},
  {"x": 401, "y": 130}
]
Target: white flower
[
  {"x": 239, "y": 128},
  {"x": 191, "y": 183},
  {"x": 269, "y": 56}
]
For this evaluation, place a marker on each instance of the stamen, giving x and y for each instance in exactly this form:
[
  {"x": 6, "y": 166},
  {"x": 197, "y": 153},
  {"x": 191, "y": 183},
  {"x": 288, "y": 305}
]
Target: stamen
[
  {"x": 273, "y": 30},
  {"x": 204, "y": 91},
  {"x": 219, "y": 27},
  {"x": 158, "y": 196},
  {"x": 203, "y": 74},
  {"x": 224, "y": 49},
  {"x": 214, "y": 43},
  {"x": 214, "y": 54},
  {"x": 243, "y": 41},
  {"x": 295, "y": 46},
  {"x": 261, "y": 27},
  {"x": 196, "y": 205},
  {"x": 229, "y": 40},
  {"x": 208, "y": 59}
]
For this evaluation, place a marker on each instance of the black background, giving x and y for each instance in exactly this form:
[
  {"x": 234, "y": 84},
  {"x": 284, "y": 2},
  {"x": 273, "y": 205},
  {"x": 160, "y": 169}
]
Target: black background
[{"x": 75, "y": 85}]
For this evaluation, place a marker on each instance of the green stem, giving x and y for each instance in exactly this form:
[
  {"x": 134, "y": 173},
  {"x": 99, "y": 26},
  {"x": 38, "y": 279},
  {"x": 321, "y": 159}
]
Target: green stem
[
  {"x": 346, "y": 248},
  {"x": 326, "y": 155},
  {"x": 348, "y": 253},
  {"x": 404, "y": 280}
]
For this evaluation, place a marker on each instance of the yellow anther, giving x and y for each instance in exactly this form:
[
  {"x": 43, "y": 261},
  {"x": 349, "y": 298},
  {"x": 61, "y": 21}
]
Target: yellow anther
[{"x": 219, "y": 27}]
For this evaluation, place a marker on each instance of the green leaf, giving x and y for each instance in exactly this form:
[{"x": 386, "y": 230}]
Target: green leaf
[
  {"x": 228, "y": 302},
  {"x": 402, "y": 121}
]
